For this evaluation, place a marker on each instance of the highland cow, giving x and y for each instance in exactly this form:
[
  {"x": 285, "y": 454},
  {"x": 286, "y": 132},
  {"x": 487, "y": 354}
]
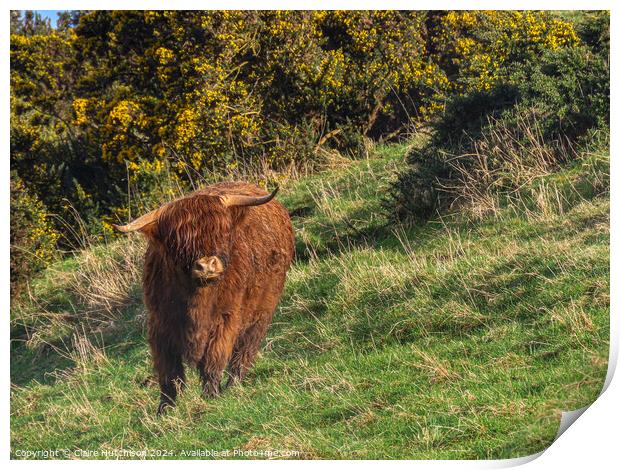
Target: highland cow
[{"x": 214, "y": 272}]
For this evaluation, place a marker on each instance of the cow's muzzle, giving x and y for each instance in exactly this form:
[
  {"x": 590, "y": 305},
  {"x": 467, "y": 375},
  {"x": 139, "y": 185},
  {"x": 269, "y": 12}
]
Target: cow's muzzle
[{"x": 207, "y": 269}]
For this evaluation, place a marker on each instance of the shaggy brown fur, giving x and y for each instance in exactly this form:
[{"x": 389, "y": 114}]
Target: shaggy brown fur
[{"x": 217, "y": 323}]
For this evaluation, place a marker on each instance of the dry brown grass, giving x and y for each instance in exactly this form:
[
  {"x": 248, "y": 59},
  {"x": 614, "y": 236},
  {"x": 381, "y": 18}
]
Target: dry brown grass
[
  {"x": 103, "y": 284},
  {"x": 438, "y": 371},
  {"x": 573, "y": 317},
  {"x": 81, "y": 303},
  {"x": 505, "y": 161}
]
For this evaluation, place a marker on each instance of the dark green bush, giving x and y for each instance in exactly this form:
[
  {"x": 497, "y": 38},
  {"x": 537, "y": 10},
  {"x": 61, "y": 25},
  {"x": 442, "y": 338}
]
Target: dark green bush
[{"x": 569, "y": 88}]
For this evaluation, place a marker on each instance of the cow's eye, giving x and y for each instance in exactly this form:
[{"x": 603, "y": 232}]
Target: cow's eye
[{"x": 224, "y": 258}]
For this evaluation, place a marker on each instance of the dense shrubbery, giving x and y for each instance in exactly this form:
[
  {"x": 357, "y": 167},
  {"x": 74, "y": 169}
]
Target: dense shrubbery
[
  {"x": 33, "y": 238},
  {"x": 114, "y": 102},
  {"x": 540, "y": 109}
]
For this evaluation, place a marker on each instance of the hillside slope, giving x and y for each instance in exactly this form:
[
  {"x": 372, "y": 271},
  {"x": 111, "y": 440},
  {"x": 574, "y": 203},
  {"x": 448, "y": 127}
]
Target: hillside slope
[{"x": 461, "y": 339}]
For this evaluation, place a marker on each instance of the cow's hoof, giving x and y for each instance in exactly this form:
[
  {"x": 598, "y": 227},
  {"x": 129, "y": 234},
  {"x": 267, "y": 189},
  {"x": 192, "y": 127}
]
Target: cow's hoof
[
  {"x": 232, "y": 381},
  {"x": 211, "y": 391},
  {"x": 163, "y": 407}
]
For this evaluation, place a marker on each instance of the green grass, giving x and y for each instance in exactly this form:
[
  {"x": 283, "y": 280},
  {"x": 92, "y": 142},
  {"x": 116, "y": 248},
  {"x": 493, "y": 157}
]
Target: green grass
[{"x": 461, "y": 339}]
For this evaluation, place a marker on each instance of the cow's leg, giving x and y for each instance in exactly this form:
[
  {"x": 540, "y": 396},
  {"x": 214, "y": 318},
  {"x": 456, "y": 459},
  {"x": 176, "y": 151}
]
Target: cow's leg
[
  {"x": 217, "y": 353},
  {"x": 245, "y": 350},
  {"x": 171, "y": 376}
]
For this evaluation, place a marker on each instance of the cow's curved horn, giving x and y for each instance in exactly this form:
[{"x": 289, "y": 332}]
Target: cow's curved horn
[
  {"x": 230, "y": 200},
  {"x": 139, "y": 223}
]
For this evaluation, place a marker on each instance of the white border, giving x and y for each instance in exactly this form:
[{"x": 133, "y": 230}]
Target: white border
[{"x": 592, "y": 441}]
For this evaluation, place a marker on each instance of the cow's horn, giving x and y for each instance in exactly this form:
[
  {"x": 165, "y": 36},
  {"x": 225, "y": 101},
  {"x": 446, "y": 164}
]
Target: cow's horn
[
  {"x": 230, "y": 200},
  {"x": 139, "y": 223}
]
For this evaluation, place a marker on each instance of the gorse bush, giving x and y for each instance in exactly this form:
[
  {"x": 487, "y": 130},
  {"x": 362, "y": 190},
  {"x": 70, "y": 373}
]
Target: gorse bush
[
  {"x": 132, "y": 94},
  {"x": 534, "y": 117},
  {"x": 213, "y": 88},
  {"x": 476, "y": 48},
  {"x": 33, "y": 236}
]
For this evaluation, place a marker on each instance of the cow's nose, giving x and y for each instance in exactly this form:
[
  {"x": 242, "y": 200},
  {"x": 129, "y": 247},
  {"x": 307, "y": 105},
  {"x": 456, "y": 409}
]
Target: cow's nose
[{"x": 207, "y": 266}]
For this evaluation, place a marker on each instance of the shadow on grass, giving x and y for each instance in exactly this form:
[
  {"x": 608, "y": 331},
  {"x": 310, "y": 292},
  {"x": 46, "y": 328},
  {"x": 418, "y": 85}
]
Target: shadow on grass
[
  {"x": 343, "y": 235},
  {"x": 44, "y": 362}
]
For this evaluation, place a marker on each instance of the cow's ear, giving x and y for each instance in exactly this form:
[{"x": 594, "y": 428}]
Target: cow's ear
[{"x": 147, "y": 224}]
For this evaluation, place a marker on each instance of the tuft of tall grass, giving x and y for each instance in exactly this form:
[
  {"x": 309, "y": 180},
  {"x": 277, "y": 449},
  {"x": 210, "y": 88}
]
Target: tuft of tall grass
[
  {"x": 106, "y": 277},
  {"x": 76, "y": 299},
  {"x": 504, "y": 163}
]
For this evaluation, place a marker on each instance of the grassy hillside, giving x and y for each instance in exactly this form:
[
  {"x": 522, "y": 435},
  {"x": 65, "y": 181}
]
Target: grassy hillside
[{"x": 460, "y": 339}]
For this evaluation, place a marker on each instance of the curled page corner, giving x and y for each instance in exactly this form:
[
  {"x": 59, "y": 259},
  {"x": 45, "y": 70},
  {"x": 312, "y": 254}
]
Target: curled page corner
[{"x": 568, "y": 418}]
